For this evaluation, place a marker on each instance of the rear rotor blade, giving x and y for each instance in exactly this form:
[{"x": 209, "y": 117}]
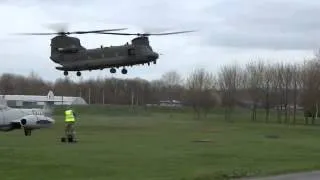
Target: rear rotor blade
[
  {"x": 169, "y": 33},
  {"x": 111, "y": 33},
  {"x": 147, "y": 34}
]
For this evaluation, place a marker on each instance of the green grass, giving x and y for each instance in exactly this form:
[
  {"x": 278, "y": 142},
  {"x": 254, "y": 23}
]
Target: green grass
[{"x": 118, "y": 143}]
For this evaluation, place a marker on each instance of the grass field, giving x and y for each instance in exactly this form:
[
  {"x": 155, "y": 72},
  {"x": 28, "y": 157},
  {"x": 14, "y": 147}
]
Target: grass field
[{"x": 158, "y": 145}]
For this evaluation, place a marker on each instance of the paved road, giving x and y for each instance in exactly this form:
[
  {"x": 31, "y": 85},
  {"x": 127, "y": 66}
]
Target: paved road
[{"x": 315, "y": 175}]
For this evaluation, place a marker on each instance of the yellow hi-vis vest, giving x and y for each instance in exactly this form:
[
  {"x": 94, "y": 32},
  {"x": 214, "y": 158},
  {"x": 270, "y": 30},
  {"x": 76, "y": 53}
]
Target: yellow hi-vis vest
[{"x": 69, "y": 116}]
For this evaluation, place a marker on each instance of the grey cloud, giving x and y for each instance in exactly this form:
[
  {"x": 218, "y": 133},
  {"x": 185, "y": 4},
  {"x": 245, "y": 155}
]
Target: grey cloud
[
  {"x": 275, "y": 41},
  {"x": 266, "y": 24},
  {"x": 141, "y": 13}
]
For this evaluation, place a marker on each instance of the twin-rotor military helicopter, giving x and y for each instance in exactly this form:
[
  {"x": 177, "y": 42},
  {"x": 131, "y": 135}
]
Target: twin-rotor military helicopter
[{"x": 72, "y": 56}]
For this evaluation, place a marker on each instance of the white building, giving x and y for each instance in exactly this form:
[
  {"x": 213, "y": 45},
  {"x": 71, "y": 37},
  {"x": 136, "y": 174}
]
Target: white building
[
  {"x": 33, "y": 100},
  {"x": 170, "y": 103}
]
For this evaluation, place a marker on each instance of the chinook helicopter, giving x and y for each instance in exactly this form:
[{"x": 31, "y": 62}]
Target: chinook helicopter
[{"x": 68, "y": 52}]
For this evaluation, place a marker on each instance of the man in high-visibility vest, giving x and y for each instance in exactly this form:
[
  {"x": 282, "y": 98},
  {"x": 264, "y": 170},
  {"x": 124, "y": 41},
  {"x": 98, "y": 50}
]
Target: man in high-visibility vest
[{"x": 70, "y": 119}]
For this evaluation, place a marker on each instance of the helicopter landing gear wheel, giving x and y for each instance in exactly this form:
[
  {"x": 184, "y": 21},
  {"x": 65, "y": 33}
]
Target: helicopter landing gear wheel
[
  {"x": 65, "y": 73},
  {"x": 124, "y": 71},
  {"x": 112, "y": 70},
  {"x": 154, "y": 62},
  {"x": 78, "y": 73}
]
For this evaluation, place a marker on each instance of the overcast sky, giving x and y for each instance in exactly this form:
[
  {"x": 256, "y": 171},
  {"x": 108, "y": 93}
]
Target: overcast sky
[{"x": 229, "y": 31}]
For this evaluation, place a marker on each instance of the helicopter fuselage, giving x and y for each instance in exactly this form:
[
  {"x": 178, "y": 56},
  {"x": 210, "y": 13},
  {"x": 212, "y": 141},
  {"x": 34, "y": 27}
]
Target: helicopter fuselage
[
  {"x": 108, "y": 57},
  {"x": 74, "y": 57}
]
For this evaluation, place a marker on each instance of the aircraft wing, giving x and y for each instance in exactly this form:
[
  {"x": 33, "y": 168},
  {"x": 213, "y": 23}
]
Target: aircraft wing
[
  {"x": 15, "y": 121},
  {"x": 3, "y": 101}
]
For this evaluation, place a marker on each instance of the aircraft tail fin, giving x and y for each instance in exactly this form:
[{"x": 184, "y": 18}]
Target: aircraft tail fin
[
  {"x": 3, "y": 101},
  {"x": 48, "y": 105}
]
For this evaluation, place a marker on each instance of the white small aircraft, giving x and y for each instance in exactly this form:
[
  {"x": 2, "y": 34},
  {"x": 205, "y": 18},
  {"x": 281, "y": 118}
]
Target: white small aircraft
[{"x": 28, "y": 119}]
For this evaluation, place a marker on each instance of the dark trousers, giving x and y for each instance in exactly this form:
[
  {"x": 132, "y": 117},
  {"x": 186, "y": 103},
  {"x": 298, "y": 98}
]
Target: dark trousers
[{"x": 69, "y": 129}]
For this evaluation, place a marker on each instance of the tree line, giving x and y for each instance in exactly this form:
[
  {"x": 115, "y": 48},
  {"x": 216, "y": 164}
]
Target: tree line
[{"x": 284, "y": 87}]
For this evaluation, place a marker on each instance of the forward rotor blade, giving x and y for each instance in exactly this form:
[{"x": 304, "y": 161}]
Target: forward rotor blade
[
  {"x": 74, "y": 32},
  {"x": 35, "y": 33},
  {"x": 96, "y": 31}
]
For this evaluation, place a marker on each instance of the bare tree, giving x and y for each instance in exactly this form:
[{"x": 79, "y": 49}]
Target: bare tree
[
  {"x": 200, "y": 91},
  {"x": 267, "y": 89},
  {"x": 288, "y": 74},
  {"x": 255, "y": 72},
  {"x": 296, "y": 76},
  {"x": 157, "y": 89},
  {"x": 173, "y": 82},
  {"x": 310, "y": 89},
  {"x": 278, "y": 81},
  {"x": 230, "y": 78},
  {"x": 172, "y": 78}
]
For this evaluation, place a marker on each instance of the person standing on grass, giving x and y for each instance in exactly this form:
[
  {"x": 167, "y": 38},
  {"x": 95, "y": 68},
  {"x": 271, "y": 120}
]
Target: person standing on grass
[{"x": 70, "y": 119}]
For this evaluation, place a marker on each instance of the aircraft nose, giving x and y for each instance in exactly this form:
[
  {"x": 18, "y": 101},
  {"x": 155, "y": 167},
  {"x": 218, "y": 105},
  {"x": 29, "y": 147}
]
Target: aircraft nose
[
  {"x": 156, "y": 55},
  {"x": 153, "y": 56},
  {"x": 50, "y": 120}
]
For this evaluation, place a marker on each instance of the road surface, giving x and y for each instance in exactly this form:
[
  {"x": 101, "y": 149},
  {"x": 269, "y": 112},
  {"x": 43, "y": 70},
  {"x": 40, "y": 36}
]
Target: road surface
[{"x": 314, "y": 175}]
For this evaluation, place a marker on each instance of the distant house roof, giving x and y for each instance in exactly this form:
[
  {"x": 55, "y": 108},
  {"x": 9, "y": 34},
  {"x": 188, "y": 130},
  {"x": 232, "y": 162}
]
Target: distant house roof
[
  {"x": 170, "y": 101},
  {"x": 49, "y": 97}
]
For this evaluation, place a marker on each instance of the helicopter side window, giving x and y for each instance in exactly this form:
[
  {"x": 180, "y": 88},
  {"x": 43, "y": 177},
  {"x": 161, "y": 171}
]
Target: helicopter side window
[
  {"x": 131, "y": 52},
  {"x": 68, "y": 50}
]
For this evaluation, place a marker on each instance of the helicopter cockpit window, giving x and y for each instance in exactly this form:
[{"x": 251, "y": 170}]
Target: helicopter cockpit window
[
  {"x": 71, "y": 49},
  {"x": 148, "y": 48}
]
